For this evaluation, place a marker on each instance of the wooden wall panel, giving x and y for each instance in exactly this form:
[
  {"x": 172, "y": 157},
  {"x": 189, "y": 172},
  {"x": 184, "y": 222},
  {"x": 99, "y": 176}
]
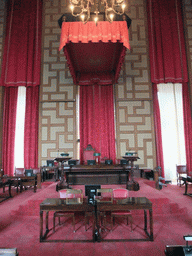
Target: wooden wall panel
[
  {"x": 57, "y": 131},
  {"x": 134, "y": 116}
]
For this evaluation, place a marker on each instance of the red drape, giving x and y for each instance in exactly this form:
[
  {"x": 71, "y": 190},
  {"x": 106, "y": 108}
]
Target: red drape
[
  {"x": 104, "y": 31},
  {"x": 187, "y": 127},
  {"x": 21, "y": 67},
  {"x": 9, "y": 121},
  {"x": 166, "y": 42},
  {"x": 31, "y": 127},
  {"x": 22, "y": 47},
  {"x": 158, "y": 134},
  {"x": 168, "y": 61},
  {"x": 97, "y": 120}
]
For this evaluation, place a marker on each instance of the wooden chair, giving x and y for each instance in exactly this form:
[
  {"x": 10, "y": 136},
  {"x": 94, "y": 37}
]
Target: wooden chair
[
  {"x": 72, "y": 196},
  {"x": 19, "y": 172},
  {"x": 88, "y": 154},
  {"x": 26, "y": 178},
  {"x": 181, "y": 172},
  {"x": 37, "y": 172},
  {"x": 121, "y": 193}
]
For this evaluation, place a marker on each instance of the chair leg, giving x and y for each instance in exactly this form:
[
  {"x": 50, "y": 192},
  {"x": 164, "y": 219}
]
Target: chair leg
[
  {"x": 131, "y": 223},
  {"x": 53, "y": 223},
  {"x": 111, "y": 223},
  {"x": 73, "y": 223},
  {"x": 86, "y": 222}
]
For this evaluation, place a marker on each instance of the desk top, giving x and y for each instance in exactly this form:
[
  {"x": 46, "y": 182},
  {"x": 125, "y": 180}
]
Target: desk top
[
  {"x": 62, "y": 159},
  {"x": 99, "y": 167},
  {"x": 128, "y": 203}
]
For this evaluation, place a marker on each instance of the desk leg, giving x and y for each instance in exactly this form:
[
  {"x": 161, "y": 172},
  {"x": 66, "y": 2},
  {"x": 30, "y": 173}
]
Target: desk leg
[
  {"x": 41, "y": 226},
  {"x": 145, "y": 220},
  {"x": 47, "y": 218},
  {"x": 151, "y": 224},
  {"x": 186, "y": 186},
  {"x": 10, "y": 190}
]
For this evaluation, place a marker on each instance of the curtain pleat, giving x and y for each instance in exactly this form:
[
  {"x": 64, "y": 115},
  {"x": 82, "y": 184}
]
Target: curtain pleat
[
  {"x": 22, "y": 47},
  {"x": 9, "y": 124},
  {"x": 168, "y": 62},
  {"x": 166, "y": 42},
  {"x": 187, "y": 127},
  {"x": 158, "y": 134},
  {"x": 97, "y": 120},
  {"x": 31, "y": 127}
]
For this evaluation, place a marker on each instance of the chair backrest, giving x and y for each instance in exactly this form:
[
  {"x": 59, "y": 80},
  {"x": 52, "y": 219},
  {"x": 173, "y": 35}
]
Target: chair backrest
[
  {"x": 88, "y": 154},
  {"x": 29, "y": 172},
  {"x": 181, "y": 169},
  {"x": 1, "y": 173},
  {"x": 105, "y": 194},
  {"x": 63, "y": 193},
  {"x": 74, "y": 196},
  {"x": 19, "y": 171},
  {"x": 120, "y": 193},
  {"x": 70, "y": 193},
  {"x": 36, "y": 170}
]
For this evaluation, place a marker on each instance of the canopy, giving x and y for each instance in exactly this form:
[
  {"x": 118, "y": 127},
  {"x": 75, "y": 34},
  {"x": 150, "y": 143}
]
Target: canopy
[{"x": 94, "y": 53}]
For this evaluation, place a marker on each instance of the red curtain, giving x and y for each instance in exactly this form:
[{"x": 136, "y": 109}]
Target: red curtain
[
  {"x": 22, "y": 47},
  {"x": 166, "y": 42},
  {"x": 31, "y": 127},
  {"x": 9, "y": 121},
  {"x": 158, "y": 134},
  {"x": 104, "y": 31},
  {"x": 187, "y": 127},
  {"x": 21, "y": 67},
  {"x": 97, "y": 120},
  {"x": 168, "y": 62}
]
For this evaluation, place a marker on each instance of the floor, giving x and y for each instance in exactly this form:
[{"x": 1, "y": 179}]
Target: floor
[{"x": 19, "y": 224}]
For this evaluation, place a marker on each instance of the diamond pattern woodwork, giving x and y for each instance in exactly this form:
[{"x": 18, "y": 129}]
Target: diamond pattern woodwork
[{"x": 134, "y": 118}]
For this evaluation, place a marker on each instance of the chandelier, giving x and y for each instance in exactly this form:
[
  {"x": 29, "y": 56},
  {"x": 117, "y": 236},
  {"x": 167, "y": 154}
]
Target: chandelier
[{"x": 83, "y": 8}]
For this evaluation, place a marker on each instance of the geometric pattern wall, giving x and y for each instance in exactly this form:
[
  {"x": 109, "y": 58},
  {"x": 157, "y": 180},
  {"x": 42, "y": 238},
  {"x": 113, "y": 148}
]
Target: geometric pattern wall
[
  {"x": 133, "y": 101},
  {"x": 134, "y": 116},
  {"x": 57, "y": 131}
]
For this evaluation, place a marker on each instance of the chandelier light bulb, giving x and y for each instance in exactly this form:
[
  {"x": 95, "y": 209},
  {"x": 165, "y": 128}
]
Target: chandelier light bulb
[
  {"x": 83, "y": 17},
  {"x": 72, "y": 7},
  {"x": 111, "y": 16},
  {"x": 81, "y": 7}
]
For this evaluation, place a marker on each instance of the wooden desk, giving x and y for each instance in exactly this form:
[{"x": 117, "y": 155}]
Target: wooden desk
[
  {"x": 26, "y": 181},
  {"x": 97, "y": 174},
  {"x": 5, "y": 182},
  {"x": 132, "y": 203},
  {"x": 186, "y": 182},
  {"x": 62, "y": 184},
  {"x": 178, "y": 250}
]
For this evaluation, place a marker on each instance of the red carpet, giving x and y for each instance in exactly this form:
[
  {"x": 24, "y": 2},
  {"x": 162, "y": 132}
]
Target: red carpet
[{"x": 19, "y": 225}]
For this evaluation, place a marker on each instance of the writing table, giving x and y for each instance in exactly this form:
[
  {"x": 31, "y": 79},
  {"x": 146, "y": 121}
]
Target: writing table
[{"x": 132, "y": 203}]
